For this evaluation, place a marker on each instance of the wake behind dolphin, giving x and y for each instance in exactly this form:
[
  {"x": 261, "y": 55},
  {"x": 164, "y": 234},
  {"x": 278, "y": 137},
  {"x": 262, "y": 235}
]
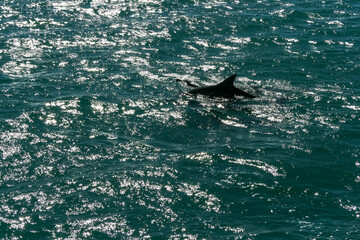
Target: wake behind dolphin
[{"x": 224, "y": 89}]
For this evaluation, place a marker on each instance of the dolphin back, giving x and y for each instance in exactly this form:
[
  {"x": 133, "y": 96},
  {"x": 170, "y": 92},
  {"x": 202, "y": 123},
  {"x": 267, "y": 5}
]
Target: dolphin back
[{"x": 224, "y": 89}]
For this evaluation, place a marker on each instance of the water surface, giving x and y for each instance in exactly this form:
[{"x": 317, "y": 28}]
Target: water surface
[{"x": 99, "y": 141}]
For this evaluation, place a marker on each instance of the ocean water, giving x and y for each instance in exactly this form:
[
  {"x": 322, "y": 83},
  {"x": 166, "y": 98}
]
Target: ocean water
[{"x": 98, "y": 140}]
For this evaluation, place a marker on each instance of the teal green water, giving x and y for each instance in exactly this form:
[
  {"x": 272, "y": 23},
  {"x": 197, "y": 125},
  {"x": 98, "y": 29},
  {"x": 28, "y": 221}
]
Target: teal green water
[{"x": 99, "y": 141}]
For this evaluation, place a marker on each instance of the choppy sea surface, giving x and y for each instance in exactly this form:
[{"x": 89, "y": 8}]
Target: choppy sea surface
[{"x": 99, "y": 141}]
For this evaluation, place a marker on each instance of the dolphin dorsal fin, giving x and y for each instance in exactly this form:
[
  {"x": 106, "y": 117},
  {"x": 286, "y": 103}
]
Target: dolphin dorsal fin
[{"x": 229, "y": 82}]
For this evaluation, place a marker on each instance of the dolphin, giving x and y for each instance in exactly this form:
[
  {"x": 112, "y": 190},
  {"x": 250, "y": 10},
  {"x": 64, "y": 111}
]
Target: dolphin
[{"x": 225, "y": 89}]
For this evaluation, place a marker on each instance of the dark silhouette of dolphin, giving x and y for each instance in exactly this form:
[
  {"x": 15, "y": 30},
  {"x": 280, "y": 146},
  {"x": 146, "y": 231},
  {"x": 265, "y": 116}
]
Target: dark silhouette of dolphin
[{"x": 224, "y": 89}]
